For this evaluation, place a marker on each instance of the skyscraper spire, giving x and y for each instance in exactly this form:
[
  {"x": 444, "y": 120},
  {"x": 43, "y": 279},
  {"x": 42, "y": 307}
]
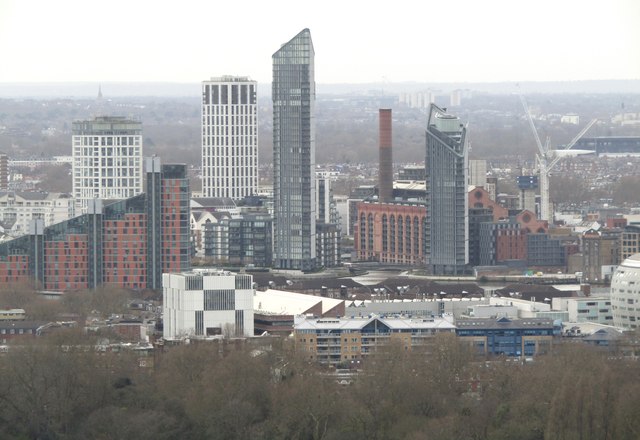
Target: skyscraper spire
[{"x": 99, "y": 106}]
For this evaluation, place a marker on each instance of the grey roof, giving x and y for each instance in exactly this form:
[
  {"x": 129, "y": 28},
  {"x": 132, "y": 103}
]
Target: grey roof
[
  {"x": 328, "y": 282},
  {"x": 212, "y": 202},
  {"x": 603, "y": 335},
  {"x": 394, "y": 324},
  {"x": 430, "y": 287},
  {"x": 7, "y": 325},
  {"x": 501, "y": 323},
  {"x": 27, "y": 195},
  {"x": 533, "y": 291}
]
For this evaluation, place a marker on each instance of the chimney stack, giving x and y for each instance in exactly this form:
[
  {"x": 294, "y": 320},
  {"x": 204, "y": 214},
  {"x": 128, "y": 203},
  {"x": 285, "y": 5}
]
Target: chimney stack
[{"x": 385, "y": 172}]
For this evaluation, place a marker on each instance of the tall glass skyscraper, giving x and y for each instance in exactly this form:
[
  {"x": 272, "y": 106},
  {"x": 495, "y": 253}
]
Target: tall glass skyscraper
[
  {"x": 447, "y": 226},
  {"x": 294, "y": 154}
]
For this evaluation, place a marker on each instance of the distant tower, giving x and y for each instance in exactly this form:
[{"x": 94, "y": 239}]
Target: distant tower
[
  {"x": 527, "y": 186},
  {"x": 447, "y": 226},
  {"x": 99, "y": 104},
  {"x": 4, "y": 172},
  {"x": 478, "y": 172},
  {"x": 455, "y": 98},
  {"x": 229, "y": 137},
  {"x": 107, "y": 159},
  {"x": 385, "y": 173},
  {"x": 294, "y": 154}
]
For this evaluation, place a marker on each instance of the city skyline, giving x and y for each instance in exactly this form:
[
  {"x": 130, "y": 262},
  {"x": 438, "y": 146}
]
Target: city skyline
[{"x": 405, "y": 42}]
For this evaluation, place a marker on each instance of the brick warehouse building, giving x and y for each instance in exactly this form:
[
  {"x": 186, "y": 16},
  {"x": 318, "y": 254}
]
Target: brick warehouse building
[
  {"x": 126, "y": 243},
  {"x": 390, "y": 233}
]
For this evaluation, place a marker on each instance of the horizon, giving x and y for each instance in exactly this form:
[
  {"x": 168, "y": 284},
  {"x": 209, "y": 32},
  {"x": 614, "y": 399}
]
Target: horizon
[{"x": 177, "y": 89}]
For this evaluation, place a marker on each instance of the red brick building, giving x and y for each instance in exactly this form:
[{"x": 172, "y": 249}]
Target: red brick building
[
  {"x": 511, "y": 244},
  {"x": 391, "y": 233},
  {"x": 127, "y": 243},
  {"x": 480, "y": 198}
]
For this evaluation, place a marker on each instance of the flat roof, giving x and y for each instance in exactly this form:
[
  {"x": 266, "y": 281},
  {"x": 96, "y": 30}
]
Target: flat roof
[{"x": 282, "y": 302}]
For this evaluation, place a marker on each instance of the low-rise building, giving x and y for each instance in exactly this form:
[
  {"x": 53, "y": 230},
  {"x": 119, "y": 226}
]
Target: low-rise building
[
  {"x": 600, "y": 251},
  {"x": 339, "y": 340},
  {"x": 506, "y": 336},
  {"x": 586, "y": 309},
  {"x": 207, "y": 303},
  {"x": 275, "y": 309},
  {"x": 19, "y": 208}
]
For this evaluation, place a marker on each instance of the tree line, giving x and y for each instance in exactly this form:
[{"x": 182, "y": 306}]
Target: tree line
[{"x": 59, "y": 388}]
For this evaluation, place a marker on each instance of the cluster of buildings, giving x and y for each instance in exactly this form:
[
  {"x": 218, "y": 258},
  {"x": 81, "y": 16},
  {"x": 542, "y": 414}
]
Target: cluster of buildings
[
  {"x": 210, "y": 304},
  {"x": 450, "y": 218},
  {"x": 337, "y": 327},
  {"x": 132, "y": 223},
  {"x": 295, "y": 227}
]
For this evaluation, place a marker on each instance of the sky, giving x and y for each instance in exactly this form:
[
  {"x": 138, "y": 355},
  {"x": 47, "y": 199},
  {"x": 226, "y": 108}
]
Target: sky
[{"x": 355, "y": 41}]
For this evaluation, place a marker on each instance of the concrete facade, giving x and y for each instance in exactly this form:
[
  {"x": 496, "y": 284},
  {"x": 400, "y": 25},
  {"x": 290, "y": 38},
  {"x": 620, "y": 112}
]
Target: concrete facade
[{"x": 207, "y": 304}]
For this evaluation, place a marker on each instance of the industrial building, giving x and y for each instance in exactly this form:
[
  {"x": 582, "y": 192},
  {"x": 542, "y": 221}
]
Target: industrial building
[{"x": 390, "y": 233}]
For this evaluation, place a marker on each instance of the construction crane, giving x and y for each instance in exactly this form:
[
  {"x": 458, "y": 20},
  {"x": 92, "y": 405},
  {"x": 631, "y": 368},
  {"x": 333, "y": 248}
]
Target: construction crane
[{"x": 546, "y": 160}]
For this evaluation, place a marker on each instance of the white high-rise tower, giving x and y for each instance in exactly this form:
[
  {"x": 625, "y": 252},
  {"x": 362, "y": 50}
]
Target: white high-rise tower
[
  {"x": 107, "y": 159},
  {"x": 229, "y": 137}
]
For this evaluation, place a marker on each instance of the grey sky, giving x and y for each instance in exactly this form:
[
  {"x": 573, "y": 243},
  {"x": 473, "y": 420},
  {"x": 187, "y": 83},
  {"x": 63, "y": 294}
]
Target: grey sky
[{"x": 355, "y": 41}]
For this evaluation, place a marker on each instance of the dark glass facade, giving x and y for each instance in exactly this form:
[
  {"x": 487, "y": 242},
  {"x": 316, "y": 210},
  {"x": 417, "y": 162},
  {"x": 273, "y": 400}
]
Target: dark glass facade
[
  {"x": 250, "y": 240},
  {"x": 294, "y": 154}
]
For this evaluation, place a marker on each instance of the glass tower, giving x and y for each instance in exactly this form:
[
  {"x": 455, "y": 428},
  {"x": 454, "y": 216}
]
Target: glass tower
[
  {"x": 447, "y": 226},
  {"x": 294, "y": 154}
]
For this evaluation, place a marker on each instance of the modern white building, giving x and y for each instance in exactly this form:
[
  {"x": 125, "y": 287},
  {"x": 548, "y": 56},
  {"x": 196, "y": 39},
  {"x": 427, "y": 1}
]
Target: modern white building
[
  {"x": 625, "y": 293},
  {"x": 585, "y": 309},
  {"x": 107, "y": 159},
  {"x": 18, "y": 208},
  {"x": 229, "y": 137},
  {"x": 207, "y": 303},
  {"x": 526, "y": 309}
]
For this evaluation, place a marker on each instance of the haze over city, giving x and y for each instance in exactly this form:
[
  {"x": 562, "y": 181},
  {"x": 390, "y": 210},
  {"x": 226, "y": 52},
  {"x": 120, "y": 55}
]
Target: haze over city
[{"x": 355, "y": 42}]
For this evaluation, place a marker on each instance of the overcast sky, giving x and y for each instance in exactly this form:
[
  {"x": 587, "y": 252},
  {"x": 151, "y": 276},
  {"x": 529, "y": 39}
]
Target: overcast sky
[{"x": 355, "y": 41}]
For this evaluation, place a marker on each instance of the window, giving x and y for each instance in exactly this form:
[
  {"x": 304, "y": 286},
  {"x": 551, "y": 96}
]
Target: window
[{"x": 223, "y": 299}]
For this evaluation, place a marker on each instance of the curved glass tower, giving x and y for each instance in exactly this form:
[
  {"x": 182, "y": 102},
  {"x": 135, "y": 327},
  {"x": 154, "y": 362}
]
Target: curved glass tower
[{"x": 294, "y": 154}]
